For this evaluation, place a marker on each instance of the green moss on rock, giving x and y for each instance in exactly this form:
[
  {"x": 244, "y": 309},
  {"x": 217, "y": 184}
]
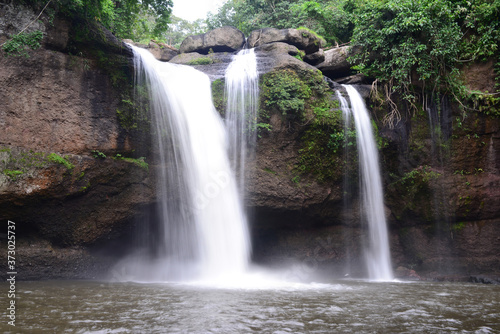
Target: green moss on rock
[
  {"x": 218, "y": 96},
  {"x": 304, "y": 99},
  {"x": 56, "y": 158}
]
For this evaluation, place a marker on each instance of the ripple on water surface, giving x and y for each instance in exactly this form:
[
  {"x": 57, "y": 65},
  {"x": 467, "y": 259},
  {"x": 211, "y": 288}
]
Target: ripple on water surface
[{"x": 205, "y": 307}]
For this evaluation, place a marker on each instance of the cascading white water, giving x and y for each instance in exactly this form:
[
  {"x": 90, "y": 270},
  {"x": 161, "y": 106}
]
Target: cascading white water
[
  {"x": 242, "y": 92},
  {"x": 203, "y": 230},
  {"x": 377, "y": 253}
]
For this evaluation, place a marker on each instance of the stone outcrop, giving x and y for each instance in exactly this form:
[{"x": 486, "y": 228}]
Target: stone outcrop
[
  {"x": 278, "y": 55},
  {"x": 212, "y": 64},
  {"x": 302, "y": 39},
  {"x": 335, "y": 64},
  {"x": 225, "y": 39},
  {"x": 315, "y": 58},
  {"x": 160, "y": 51}
]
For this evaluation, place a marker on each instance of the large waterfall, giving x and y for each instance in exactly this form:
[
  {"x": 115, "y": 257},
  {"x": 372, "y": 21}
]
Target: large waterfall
[
  {"x": 203, "y": 231},
  {"x": 377, "y": 251}
]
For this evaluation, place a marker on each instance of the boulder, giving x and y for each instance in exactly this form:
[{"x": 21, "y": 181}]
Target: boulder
[
  {"x": 335, "y": 64},
  {"x": 355, "y": 79},
  {"x": 214, "y": 64},
  {"x": 224, "y": 39},
  {"x": 279, "y": 55},
  {"x": 315, "y": 58},
  {"x": 302, "y": 39},
  {"x": 162, "y": 52},
  {"x": 278, "y": 48}
]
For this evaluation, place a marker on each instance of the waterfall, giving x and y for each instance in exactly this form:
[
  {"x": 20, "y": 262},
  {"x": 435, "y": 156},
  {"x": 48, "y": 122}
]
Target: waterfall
[
  {"x": 242, "y": 92},
  {"x": 202, "y": 231},
  {"x": 377, "y": 253}
]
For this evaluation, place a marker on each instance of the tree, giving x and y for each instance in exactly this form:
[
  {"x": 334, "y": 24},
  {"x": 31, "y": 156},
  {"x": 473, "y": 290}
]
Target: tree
[
  {"x": 179, "y": 29},
  {"x": 415, "y": 46},
  {"x": 126, "y": 18},
  {"x": 248, "y": 15}
]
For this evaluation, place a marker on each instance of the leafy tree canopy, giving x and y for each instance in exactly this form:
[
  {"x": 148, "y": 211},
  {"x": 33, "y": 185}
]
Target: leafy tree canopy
[
  {"x": 330, "y": 19},
  {"x": 179, "y": 29},
  {"x": 135, "y": 19},
  {"x": 409, "y": 46}
]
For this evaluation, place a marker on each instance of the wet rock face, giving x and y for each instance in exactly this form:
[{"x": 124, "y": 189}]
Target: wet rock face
[
  {"x": 57, "y": 109},
  {"x": 14, "y": 18},
  {"x": 64, "y": 106},
  {"x": 224, "y": 39},
  {"x": 92, "y": 200}
]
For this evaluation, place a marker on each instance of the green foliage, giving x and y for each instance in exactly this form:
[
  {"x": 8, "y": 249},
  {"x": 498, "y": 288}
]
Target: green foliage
[
  {"x": 332, "y": 19},
  {"x": 56, "y": 158},
  {"x": 179, "y": 29},
  {"x": 298, "y": 56},
  {"x": 401, "y": 38},
  {"x": 414, "y": 48},
  {"x": 479, "y": 18},
  {"x": 134, "y": 19},
  {"x": 201, "y": 61},
  {"x": 417, "y": 178},
  {"x": 141, "y": 20},
  {"x": 218, "y": 97},
  {"x": 18, "y": 44},
  {"x": 457, "y": 227},
  {"x": 286, "y": 92},
  {"x": 270, "y": 171},
  {"x": 317, "y": 156},
  {"x": 140, "y": 162},
  {"x": 340, "y": 139},
  {"x": 483, "y": 102},
  {"x": 294, "y": 93},
  {"x": 248, "y": 15},
  {"x": 413, "y": 191},
  {"x": 133, "y": 115},
  {"x": 13, "y": 174},
  {"x": 264, "y": 126},
  {"x": 307, "y": 32},
  {"x": 304, "y": 97},
  {"x": 85, "y": 187},
  {"x": 98, "y": 154}
]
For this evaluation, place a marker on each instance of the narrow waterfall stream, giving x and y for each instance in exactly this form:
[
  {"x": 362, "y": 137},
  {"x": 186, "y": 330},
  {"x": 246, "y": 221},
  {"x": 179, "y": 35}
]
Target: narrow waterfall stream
[
  {"x": 242, "y": 92},
  {"x": 203, "y": 232},
  {"x": 377, "y": 252}
]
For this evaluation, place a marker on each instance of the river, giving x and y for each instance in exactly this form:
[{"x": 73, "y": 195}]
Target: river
[{"x": 343, "y": 306}]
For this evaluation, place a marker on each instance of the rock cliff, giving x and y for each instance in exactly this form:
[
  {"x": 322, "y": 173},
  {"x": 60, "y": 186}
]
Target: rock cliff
[{"x": 70, "y": 177}]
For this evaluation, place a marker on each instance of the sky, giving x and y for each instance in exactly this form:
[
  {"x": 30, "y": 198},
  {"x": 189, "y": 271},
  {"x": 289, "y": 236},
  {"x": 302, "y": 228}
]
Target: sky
[{"x": 195, "y": 9}]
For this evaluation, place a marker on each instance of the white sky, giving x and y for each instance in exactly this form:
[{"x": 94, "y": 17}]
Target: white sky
[{"x": 195, "y": 9}]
